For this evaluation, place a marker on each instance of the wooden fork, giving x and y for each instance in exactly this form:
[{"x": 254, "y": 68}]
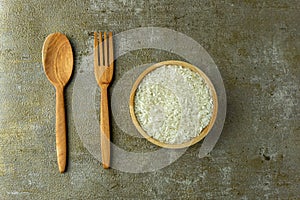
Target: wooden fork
[{"x": 103, "y": 69}]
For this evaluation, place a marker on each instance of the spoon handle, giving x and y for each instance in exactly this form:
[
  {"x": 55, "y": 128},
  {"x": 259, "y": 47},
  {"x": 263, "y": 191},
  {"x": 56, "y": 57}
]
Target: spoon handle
[
  {"x": 61, "y": 141},
  {"x": 105, "y": 130}
]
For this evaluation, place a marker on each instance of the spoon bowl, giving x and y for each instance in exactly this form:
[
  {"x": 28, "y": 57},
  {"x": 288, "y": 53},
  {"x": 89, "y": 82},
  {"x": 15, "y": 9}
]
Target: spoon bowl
[{"x": 58, "y": 59}]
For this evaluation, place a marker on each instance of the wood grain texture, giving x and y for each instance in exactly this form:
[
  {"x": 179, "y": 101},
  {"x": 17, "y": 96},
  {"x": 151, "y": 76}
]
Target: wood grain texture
[
  {"x": 105, "y": 128},
  {"x": 58, "y": 65},
  {"x": 203, "y": 133},
  {"x": 61, "y": 133},
  {"x": 103, "y": 69}
]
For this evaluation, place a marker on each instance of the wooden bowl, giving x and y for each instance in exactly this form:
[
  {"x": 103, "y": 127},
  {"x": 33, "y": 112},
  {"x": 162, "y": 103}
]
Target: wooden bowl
[{"x": 194, "y": 140}]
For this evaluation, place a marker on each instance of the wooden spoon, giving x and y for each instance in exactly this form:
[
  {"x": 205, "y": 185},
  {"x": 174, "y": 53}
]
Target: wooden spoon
[{"x": 58, "y": 65}]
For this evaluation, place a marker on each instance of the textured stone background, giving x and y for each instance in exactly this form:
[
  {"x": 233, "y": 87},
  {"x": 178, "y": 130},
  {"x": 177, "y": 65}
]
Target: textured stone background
[{"x": 256, "y": 47}]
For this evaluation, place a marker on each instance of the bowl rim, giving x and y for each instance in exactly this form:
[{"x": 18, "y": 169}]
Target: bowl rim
[{"x": 194, "y": 140}]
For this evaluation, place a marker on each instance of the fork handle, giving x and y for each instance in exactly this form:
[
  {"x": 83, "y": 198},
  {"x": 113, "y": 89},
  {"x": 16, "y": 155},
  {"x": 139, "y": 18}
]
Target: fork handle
[
  {"x": 105, "y": 130},
  {"x": 61, "y": 144}
]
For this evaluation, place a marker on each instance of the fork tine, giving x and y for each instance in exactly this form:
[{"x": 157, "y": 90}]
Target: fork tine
[
  {"x": 96, "y": 52},
  {"x": 101, "y": 49},
  {"x": 111, "y": 50},
  {"x": 105, "y": 50}
]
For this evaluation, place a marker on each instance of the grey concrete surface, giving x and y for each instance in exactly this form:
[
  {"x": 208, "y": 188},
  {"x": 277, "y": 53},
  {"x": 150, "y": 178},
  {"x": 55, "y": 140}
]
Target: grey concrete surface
[{"x": 256, "y": 46}]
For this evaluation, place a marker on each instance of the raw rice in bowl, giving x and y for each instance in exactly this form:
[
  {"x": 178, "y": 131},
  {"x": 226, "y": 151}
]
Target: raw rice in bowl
[{"x": 173, "y": 104}]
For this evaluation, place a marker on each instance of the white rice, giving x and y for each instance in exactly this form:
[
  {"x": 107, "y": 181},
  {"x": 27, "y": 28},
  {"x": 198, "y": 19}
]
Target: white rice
[{"x": 173, "y": 104}]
